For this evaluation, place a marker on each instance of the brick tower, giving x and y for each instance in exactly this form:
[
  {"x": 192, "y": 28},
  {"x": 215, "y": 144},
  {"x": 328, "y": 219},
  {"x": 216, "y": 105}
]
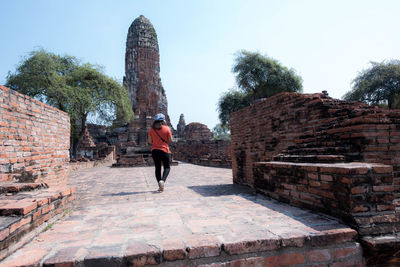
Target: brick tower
[{"x": 142, "y": 79}]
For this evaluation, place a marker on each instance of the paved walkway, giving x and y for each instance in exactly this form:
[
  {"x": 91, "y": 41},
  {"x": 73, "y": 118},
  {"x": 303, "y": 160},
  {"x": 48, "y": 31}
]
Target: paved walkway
[{"x": 119, "y": 211}]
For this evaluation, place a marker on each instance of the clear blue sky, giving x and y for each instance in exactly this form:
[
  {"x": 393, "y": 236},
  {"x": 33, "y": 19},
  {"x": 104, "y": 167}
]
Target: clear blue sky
[{"x": 326, "y": 42}]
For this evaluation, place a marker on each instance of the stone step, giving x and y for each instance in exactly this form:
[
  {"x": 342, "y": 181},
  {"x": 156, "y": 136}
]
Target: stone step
[
  {"x": 382, "y": 248},
  {"x": 11, "y": 188},
  {"x": 318, "y": 150},
  {"x": 310, "y": 158},
  {"x": 25, "y": 213}
]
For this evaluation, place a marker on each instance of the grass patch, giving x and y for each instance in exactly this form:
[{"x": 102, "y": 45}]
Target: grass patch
[{"x": 49, "y": 226}]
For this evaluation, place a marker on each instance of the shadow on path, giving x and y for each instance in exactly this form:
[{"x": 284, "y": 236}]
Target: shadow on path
[
  {"x": 221, "y": 190},
  {"x": 130, "y": 193}
]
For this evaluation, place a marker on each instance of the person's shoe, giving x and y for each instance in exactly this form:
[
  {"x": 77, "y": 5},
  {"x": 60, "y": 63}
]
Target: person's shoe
[{"x": 161, "y": 186}]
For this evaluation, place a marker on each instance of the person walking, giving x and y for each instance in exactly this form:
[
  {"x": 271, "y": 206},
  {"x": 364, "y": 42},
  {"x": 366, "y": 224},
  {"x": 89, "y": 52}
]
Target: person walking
[{"x": 159, "y": 137}]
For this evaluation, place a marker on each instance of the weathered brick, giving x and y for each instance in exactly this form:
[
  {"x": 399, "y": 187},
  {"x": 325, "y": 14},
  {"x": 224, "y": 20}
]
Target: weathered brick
[
  {"x": 341, "y": 253},
  {"x": 4, "y": 233},
  {"x": 358, "y": 190},
  {"x": 20, "y": 223},
  {"x": 199, "y": 246},
  {"x": 66, "y": 257},
  {"x": 251, "y": 244},
  {"x": 383, "y": 188},
  {"x": 349, "y": 263},
  {"x": 21, "y": 207},
  {"x": 248, "y": 262},
  {"x": 319, "y": 255},
  {"x": 285, "y": 260},
  {"x": 173, "y": 249},
  {"x": 32, "y": 257},
  {"x": 140, "y": 254}
]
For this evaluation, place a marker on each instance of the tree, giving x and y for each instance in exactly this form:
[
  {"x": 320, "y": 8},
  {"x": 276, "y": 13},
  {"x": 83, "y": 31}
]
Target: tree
[
  {"x": 262, "y": 76},
  {"x": 257, "y": 76},
  {"x": 221, "y": 132},
  {"x": 380, "y": 84},
  {"x": 78, "y": 89},
  {"x": 229, "y": 102}
]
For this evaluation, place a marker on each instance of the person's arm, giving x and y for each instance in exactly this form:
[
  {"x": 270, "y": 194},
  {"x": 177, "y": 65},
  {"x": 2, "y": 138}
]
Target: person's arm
[
  {"x": 150, "y": 140},
  {"x": 169, "y": 138}
]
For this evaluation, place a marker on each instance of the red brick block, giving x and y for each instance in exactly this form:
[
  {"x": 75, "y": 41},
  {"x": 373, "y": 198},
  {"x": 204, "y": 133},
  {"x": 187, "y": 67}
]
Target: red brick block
[
  {"x": 200, "y": 246},
  {"x": 248, "y": 262},
  {"x": 173, "y": 249},
  {"x": 328, "y": 235},
  {"x": 42, "y": 219},
  {"x": 319, "y": 255},
  {"x": 341, "y": 253},
  {"x": 47, "y": 208},
  {"x": 20, "y": 223},
  {"x": 42, "y": 201},
  {"x": 359, "y": 208},
  {"x": 349, "y": 263},
  {"x": 4, "y": 233},
  {"x": 251, "y": 244},
  {"x": 326, "y": 177},
  {"x": 66, "y": 192},
  {"x": 285, "y": 260},
  {"x": 32, "y": 257},
  {"x": 383, "y": 188},
  {"x": 358, "y": 190},
  {"x": 215, "y": 265},
  {"x": 21, "y": 207},
  {"x": 140, "y": 254},
  {"x": 36, "y": 215},
  {"x": 385, "y": 207},
  {"x": 65, "y": 257},
  {"x": 312, "y": 176}
]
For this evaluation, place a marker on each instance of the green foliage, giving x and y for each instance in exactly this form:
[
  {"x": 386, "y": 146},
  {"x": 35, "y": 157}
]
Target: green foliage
[
  {"x": 257, "y": 76},
  {"x": 262, "y": 76},
  {"x": 229, "y": 102},
  {"x": 78, "y": 89},
  {"x": 44, "y": 76},
  {"x": 222, "y": 132},
  {"x": 378, "y": 85}
]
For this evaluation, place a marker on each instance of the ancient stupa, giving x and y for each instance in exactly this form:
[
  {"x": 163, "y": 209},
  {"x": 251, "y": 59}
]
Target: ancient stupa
[
  {"x": 143, "y": 82},
  {"x": 142, "y": 79}
]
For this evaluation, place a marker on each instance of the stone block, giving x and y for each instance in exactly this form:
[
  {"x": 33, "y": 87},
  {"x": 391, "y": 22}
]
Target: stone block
[
  {"x": 199, "y": 246},
  {"x": 173, "y": 249},
  {"x": 285, "y": 260},
  {"x": 140, "y": 254}
]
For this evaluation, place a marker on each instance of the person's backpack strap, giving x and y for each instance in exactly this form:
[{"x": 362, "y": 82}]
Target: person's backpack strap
[{"x": 162, "y": 139}]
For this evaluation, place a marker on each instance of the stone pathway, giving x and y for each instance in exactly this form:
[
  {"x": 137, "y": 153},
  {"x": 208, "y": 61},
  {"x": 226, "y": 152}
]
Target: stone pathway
[{"x": 120, "y": 216}]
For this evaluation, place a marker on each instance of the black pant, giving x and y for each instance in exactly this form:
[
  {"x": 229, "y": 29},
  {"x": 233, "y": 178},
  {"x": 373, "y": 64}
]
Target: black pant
[{"x": 158, "y": 157}]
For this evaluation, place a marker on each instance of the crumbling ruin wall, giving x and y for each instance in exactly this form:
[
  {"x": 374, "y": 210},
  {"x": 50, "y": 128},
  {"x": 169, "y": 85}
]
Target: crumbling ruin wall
[
  {"x": 196, "y": 144},
  {"x": 214, "y": 153},
  {"x": 337, "y": 157},
  {"x": 313, "y": 124},
  {"x": 34, "y": 140},
  {"x": 197, "y": 131}
]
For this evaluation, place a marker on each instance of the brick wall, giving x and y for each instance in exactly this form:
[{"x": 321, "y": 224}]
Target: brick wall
[
  {"x": 313, "y": 124},
  {"x": 361, "y": 194},
  {"x": 34, "y": 140},
  {"x": 215, "y": 153},
  {"x": 336, "y": 256}
]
